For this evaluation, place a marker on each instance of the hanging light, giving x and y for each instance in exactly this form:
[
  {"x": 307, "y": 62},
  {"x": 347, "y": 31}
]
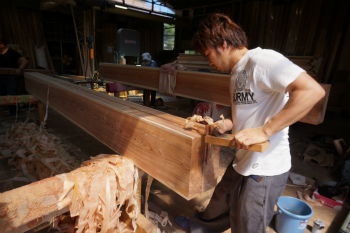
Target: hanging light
[{"x": 121, "y": 7}]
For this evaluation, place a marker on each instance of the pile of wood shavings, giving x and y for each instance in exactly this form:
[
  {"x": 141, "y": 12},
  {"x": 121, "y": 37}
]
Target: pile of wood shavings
[
  {"x": 35, "y": 152},
  {"x": 102, "y": 195},
  {"x": 203, "y": 120}
]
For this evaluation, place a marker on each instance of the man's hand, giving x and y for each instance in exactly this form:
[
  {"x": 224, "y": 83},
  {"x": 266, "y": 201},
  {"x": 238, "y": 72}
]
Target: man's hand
[
  {"x": 19, "y": 72},
  {"x": 244, "y": 138},
  {"x": 219, "y": 127}
]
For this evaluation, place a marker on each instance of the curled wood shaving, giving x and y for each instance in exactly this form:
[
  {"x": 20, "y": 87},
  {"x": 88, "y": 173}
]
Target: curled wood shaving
[
  {"x": 104, "y": 190},
  {"x": 162, "y": 219},
  {"x": 190, "y": 121}
]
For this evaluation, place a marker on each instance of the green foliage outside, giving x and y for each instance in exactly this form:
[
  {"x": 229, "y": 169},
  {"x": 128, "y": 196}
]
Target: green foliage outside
[{"x": 169, "y": 36}]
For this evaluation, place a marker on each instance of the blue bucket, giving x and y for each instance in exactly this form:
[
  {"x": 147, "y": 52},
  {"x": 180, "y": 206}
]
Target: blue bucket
[{"x": 292, "y": 215}]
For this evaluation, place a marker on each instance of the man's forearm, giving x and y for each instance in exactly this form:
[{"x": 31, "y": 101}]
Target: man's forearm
[
  {"x": 301, "y": 100},
  {"x": 22, "y": 63}
]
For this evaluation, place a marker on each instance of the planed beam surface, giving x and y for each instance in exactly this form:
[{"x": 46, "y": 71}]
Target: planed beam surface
[{"x": 156, "y": 142}]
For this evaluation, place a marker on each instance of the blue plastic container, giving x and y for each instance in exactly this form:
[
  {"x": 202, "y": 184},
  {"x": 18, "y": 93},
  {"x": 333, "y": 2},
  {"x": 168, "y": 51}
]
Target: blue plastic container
[{"x": 292, "y": 215}]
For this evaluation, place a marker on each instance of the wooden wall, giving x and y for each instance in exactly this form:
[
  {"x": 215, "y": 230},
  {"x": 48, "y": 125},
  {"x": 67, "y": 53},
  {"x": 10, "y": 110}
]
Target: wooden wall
[
  {"x": 23, "y": 28},
  {"x": 318, "y": 28},
  {"x": 292, "y": 27}
]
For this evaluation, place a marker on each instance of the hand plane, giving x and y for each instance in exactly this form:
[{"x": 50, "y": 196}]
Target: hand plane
[{"x": 225, "y": 140}]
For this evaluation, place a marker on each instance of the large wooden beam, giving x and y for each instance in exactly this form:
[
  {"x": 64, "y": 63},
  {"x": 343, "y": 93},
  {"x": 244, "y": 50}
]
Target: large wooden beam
[
  {"x": 156, "y": 142},
  {"x": 190, "y": 84},
  {"x": 211, "y": 87}
]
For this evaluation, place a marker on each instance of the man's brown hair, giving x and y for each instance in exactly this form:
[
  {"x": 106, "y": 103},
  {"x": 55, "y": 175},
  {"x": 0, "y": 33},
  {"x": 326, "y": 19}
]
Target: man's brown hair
[{"x": 217, "y": 28}]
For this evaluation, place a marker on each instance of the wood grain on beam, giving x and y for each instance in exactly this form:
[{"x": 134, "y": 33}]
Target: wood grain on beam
[
  {"x": 155, "y": 141},
  {"x": 29, "y": 206}
]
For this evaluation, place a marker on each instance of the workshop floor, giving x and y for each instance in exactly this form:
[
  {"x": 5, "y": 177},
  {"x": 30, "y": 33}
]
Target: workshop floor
[{"x": 161, "y": 198}]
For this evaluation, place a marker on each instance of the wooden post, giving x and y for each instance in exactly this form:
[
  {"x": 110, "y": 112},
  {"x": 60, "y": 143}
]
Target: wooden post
[
  {"x": 146, "y": 97},
  {"x": 41, "y": 111},
  {"x": 139, "y": 190}
]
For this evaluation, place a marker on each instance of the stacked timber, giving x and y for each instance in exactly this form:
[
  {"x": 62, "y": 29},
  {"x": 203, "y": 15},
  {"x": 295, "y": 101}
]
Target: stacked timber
[{"x": 155, "y": 141}]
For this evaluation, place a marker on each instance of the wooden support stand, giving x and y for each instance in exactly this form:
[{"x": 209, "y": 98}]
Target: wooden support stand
[{"x": 19, "y": 99}]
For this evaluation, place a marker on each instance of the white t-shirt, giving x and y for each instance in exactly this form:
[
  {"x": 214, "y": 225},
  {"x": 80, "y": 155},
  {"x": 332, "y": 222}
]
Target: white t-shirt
[{"x": 257, "y": 88}]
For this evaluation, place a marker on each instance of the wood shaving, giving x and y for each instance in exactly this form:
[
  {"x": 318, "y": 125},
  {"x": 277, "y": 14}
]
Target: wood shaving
[
  {"x": 162, "y": 219},
  {"x": 35, "y": 152},
  {"x": 190, "y": 121},
  {"x": 103, "y": 194},
  {"x": 100, "y": 194},
  {"x": 198, "y": 208}
]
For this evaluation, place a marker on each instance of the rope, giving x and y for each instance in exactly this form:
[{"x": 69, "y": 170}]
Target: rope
[
  {"x": 43, "y": 123},
  {"x": 30, "y": 103},
  {"x": 16, "y": 111}
]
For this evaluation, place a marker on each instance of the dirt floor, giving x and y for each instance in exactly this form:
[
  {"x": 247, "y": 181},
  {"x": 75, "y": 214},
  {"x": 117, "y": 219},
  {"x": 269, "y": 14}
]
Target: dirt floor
[{"x": 335, "y": 126}]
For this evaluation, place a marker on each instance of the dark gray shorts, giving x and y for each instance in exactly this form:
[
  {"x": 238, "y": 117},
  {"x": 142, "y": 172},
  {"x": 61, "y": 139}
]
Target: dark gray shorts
[{"x": 240, "y": 203}]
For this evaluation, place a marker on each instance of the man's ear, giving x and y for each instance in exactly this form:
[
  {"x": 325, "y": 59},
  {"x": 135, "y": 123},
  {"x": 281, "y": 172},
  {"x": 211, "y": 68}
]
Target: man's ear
[{"x": 224, "y": 45}]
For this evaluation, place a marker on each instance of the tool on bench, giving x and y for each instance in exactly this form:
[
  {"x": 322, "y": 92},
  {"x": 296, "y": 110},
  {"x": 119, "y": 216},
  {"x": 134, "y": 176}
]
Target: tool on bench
[{"x": 225, "y": 140}]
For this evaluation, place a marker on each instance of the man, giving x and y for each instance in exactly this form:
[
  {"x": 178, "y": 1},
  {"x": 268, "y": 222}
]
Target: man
[
  {"x": 10, "y": 58},
  {"x": 147, "y": 61},
  {"x": 9, "y": 83},
  {"x": 268, "y": 93}
]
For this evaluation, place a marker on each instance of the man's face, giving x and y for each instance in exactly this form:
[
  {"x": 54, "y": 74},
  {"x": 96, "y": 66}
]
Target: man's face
[{"x": 217, "y": 59}]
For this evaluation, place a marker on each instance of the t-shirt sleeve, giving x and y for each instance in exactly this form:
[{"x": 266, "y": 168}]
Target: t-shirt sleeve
[{"x": 276, "y": 71}]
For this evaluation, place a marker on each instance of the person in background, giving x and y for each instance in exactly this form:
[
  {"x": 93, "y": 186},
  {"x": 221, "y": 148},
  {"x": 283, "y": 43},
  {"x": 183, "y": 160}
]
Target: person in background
[
  {"x": 268, "y": 93},
  {"x": 147, "y": 61},
  {"x": 10, "y": 58}
]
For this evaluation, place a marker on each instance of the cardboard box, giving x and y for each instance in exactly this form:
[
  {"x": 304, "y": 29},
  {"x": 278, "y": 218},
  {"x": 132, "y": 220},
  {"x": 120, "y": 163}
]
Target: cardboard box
[{"x": 327, "y": 201}]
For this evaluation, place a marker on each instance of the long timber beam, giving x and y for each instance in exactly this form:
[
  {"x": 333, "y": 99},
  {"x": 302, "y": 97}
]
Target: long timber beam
[
  {"x": 190, "y": 84},
  {"x": 211, "y": 87},
  {"x": 156, "y": 142}
]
